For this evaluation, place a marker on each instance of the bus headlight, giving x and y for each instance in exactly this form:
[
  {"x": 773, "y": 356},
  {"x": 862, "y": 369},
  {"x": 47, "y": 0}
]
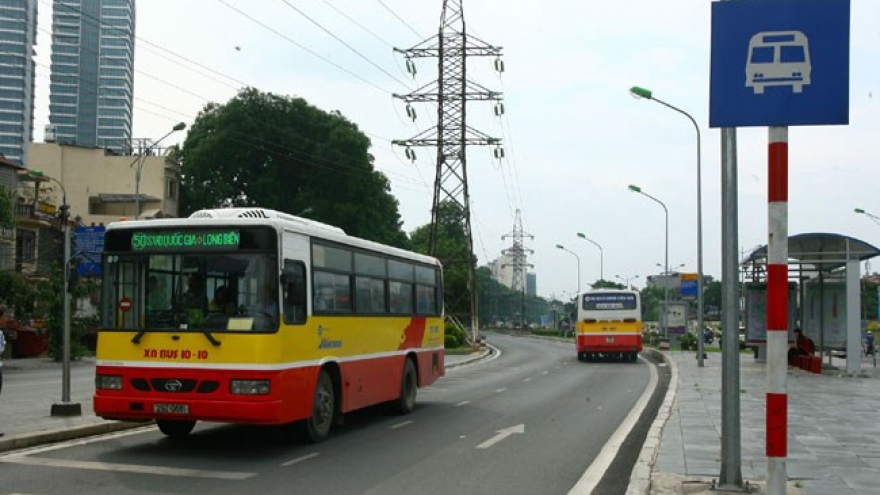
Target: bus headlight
[
  {"x": 108, "y": 382},
  {"x": 250, "y": 387}
]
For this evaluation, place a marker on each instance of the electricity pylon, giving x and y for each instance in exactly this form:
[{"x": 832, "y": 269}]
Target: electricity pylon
[
  {"x": 451, "y": 92},
  {"x": 518, "y": 261}
]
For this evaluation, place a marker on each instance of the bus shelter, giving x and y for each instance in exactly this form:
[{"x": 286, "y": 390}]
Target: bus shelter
[{"x": 824, "y": 293}]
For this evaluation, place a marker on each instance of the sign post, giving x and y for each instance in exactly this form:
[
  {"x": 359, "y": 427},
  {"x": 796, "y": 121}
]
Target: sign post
[{"x": 778, "y": 63}]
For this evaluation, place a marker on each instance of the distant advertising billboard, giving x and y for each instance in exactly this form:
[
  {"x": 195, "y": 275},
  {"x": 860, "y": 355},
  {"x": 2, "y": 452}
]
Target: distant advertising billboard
[{"x": 825, "y": 313}]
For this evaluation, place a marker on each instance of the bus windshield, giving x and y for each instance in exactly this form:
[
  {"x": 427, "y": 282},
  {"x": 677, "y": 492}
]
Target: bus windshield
[{"x": 205, "y": 291}]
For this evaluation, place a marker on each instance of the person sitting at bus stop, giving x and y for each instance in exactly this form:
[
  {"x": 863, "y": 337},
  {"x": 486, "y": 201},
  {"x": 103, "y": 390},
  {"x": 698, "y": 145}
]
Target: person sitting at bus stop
[
  {"x": 222, "y": 302},
  {"x": 803, "y": 346}
]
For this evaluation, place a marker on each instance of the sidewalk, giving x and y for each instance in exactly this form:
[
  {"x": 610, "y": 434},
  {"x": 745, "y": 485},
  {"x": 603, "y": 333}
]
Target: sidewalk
[
  {"x": 833, "y": 430},
  {"x": 26, "y": 422}
]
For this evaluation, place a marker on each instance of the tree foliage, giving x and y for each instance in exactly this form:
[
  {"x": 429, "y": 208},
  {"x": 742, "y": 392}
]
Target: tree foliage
[
  {"x": 279, "y": 152},
  {"x": 453, "y": 251}
]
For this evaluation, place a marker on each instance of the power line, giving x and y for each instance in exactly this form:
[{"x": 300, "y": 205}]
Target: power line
[
  {"x": 356, "y": 23},
  {"x": 302, "y": 47},
  {"x": 337, "y": 38},
  {"x": 400, "y": 19}
]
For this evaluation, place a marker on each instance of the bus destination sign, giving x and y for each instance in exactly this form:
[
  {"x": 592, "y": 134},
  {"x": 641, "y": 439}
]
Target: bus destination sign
[{"x": 182, "y": 240}]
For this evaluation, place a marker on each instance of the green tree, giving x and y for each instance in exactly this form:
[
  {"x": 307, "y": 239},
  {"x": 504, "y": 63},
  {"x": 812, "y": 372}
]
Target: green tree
[
  {"x": 279, "y": 152},
  {"x": 712, "y": 299},
  {"x": 452, "y": 251}
]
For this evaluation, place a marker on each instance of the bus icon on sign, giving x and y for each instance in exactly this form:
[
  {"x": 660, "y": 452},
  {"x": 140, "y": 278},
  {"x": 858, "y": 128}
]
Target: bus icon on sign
[{"x": 778, "y": 58}]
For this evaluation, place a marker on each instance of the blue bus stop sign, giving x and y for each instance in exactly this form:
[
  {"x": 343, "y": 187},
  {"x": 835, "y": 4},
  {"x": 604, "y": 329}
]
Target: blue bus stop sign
[
  {"x": 779, "y": 63},
  {"x": 88, "y": 242}
]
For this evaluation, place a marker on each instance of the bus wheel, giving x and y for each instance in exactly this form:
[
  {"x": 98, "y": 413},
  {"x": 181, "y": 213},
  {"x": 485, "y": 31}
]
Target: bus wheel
[
  {"x": 174, "y": 428},
  {"x": 317, "y": 427},
  {"x": 408, "y": 386}
]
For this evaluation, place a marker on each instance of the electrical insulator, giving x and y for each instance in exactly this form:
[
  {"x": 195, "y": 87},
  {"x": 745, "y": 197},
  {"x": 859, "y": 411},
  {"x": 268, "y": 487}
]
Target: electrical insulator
[
  {"x": 499, "y": 65},
  {"x": 410, "y": 153},
  {"x": 499, "y": 109},
  {"x": 411, "y": 67},
  {"x": 411, "y": 112},
  {"x": 498, "y": 152}
]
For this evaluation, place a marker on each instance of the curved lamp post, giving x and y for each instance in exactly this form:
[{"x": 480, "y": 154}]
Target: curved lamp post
[
  {"x": 601, "y": 255},
  {"x": 638, "y": 189},
  {"x": 875, "y": 218},
  {"x": 138, "y": 165},
  {"x": 560, "y": 246},
  {"x": 65, "y": 408},
  {"x": 648, "y": 95}
]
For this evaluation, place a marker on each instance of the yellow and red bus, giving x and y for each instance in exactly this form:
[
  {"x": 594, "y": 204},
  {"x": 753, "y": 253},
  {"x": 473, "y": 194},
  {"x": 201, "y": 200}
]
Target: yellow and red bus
[
  {"x": 315, "y": 323},
  {"x": 609, "y": 324}
]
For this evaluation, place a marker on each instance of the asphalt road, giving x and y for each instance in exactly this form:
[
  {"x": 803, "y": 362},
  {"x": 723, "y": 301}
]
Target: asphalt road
[{"x": 529, "y": 421}]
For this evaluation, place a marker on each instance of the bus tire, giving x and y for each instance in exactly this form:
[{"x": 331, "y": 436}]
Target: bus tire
[
  {"x": 175, "y": 428},
  {"x": 408, "y": 389},
  {"x": 317, "y": 426}
]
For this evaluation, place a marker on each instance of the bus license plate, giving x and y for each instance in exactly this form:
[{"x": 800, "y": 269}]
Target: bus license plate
[
  {"x": 171, "y": 408},
  {"x": 609, "y": 340}
]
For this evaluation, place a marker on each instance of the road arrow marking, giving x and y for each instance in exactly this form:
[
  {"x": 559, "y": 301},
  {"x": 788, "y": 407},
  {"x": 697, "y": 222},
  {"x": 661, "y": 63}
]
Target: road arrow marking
[{"x": 502, "y": 434}]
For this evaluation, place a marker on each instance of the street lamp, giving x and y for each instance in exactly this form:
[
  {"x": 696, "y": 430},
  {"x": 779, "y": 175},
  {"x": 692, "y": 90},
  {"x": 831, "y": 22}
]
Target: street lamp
[
  {"x": 644, "y": 93},
  {"x": 875, "y": 218},
  {"x": 560, "y": 246},
  {"x": 65, "y": 408},
  {"x": 638, "y": 189},
  {"x": 676, "y": 267},
  {"x": 627, "y": 279},
  {"x": 138, "y": 165},
  {"x": 601, "y": 255}
]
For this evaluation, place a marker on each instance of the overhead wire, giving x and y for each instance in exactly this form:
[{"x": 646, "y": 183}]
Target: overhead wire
[
  {"x": 304, "y": 48},
  {"x": 392, "y": 12},
  {"x": 344, "y": 43}
]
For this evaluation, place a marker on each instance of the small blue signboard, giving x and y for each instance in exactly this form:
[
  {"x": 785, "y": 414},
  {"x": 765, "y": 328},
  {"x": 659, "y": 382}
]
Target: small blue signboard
[
  {"x": 88, "y": 242},
  {"x": 689, "y": 289},
  {"x": 779, "y": 63}
]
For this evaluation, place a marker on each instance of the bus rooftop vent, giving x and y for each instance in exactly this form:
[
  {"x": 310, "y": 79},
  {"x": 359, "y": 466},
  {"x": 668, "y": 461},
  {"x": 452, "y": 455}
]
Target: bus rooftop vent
[{"x": 264, "y": 213}]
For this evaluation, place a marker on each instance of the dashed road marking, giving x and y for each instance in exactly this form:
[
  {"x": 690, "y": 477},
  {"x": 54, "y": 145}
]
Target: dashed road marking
[{"x": 127, "y": 468}]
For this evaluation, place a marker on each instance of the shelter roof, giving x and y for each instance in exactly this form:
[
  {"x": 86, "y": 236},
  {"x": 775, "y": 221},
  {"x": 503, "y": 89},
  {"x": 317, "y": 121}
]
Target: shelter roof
[{"x": 822, "y": 251}]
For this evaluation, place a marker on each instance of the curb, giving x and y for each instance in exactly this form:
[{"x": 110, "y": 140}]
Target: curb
[
  {"x": 640, "y": 478},
  {"x": 28, "y": 440}
]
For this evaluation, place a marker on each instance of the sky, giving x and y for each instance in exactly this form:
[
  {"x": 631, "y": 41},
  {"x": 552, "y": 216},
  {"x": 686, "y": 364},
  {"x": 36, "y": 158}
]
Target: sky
[{"x": 573, "y": 136}]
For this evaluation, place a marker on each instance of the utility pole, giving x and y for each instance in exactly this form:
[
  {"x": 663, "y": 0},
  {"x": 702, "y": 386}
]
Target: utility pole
[
  {"x": 451, "y": 92},
  {"x": 518, "y": 253}
]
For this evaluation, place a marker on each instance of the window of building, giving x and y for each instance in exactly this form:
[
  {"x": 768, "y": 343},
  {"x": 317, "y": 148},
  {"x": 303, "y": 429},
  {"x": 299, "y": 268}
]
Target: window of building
[{"x": 26, "y": 245}]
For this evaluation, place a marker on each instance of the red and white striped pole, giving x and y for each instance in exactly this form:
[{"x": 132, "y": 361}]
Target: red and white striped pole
[{"x": 777, "y": 311}]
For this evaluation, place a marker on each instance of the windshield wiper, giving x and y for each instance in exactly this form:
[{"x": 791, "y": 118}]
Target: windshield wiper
[
  {"x": 211, "y": 339},
  {"x": 137, "y": 338}
]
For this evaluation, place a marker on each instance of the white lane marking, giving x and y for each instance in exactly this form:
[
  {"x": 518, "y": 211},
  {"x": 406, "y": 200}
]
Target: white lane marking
[
  {"x": 463, "y": 403},
  {"x": 545, "y": 372},
  {"x": 594, "y": 473},
  {"x": 80, "y": 442},
  {"x": 527, "y": 379},
  {"x": 128, "y": 468},
  {"x": 401, "y": 425},
  {"x": 300, "y": 459},
  {"x": 502, "y": 434},
  {"x": 499, "y": 390}
]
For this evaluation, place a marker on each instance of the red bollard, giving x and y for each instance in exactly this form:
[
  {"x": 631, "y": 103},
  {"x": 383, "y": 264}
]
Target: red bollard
[{"x": 816, "y": 364}]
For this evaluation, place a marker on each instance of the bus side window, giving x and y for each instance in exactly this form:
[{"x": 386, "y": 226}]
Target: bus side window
[{"x": 294, "y": 297}]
